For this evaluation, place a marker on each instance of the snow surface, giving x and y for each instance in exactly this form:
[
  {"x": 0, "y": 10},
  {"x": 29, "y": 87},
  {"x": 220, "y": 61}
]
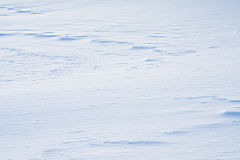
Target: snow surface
[{"x": 134, "y": 80}]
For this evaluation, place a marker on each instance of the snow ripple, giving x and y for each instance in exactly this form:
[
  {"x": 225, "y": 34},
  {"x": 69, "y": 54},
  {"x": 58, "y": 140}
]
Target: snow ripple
[
  {"x": 232, "y": 113},
  {"x": 134, "y": 143}
]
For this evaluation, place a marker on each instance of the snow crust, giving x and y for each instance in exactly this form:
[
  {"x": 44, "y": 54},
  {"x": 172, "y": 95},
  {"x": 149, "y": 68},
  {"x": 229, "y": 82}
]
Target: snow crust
[{"x": 134, "y": 80}]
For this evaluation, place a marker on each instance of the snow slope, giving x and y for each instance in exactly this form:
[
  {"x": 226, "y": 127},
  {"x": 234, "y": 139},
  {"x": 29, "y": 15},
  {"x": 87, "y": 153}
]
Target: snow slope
[{"x": 115, "y": 79}]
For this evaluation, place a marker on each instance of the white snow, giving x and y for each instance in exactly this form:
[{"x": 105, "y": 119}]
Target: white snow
[{"x": 134, "y": 80}]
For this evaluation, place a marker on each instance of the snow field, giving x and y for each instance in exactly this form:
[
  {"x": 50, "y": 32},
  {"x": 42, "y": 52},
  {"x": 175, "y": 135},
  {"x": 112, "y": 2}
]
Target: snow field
[{"x": 119, "y": 80}]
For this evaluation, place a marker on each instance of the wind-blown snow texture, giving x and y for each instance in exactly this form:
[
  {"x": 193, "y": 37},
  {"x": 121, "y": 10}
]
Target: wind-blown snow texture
[{"x": 144, "y": 80}]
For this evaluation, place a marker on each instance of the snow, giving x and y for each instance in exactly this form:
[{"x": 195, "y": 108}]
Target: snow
[{"x": 119, "y": 79}]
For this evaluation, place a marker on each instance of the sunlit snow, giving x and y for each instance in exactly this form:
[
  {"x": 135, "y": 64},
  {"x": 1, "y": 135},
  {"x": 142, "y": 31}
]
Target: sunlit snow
[{"x": 113, "y": 80}]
